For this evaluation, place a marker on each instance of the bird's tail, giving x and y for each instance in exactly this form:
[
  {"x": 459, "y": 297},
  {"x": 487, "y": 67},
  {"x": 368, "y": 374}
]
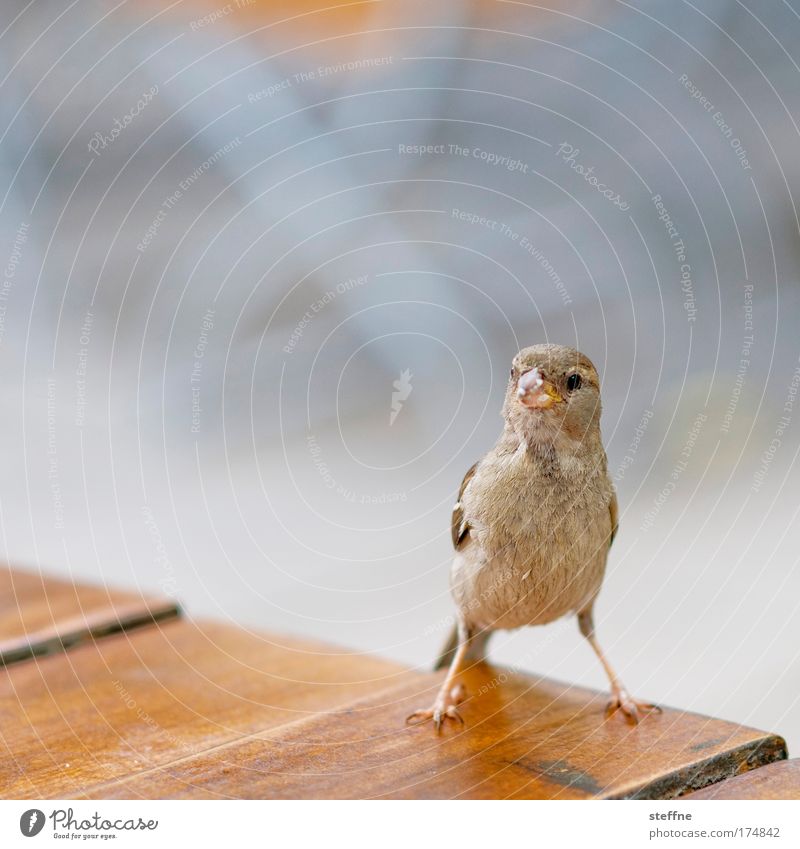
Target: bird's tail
[{"x": 476, "y": 650}]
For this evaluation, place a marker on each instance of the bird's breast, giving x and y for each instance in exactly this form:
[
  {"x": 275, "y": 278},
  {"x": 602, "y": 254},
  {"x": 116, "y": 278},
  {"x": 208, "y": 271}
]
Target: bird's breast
[{"x": 536, "y": 554}]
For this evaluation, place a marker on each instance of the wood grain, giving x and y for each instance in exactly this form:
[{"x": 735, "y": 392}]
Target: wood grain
[
  {"x": 780, "y": 780},
  {"x": 40, "y": 614},
  {"x": 524, "y": 738},
  {"x": 132, "y": 701}
]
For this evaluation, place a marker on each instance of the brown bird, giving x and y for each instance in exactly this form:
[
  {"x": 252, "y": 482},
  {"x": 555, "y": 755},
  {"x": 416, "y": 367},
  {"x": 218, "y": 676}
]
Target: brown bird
[{"x": 534, "y": 521}]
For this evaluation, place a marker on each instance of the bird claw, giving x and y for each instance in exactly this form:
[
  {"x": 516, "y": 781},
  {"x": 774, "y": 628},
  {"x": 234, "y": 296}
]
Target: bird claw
[
  {"x": 441, "y": 711},
  {"x": 452, "y": 713},
  {"x": 622, "y": 700},
  {"x": 419, "y": 716}
]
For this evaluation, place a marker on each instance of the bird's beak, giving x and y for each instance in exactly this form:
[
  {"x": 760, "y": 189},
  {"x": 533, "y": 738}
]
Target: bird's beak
[{"x": 535, "y": 392}]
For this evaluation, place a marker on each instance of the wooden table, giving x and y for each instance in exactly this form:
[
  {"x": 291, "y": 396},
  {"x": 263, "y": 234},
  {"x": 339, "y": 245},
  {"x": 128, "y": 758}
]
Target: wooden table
[
  {"x": 778, "y": 780},
  {"x": 39, "y": 614},
  {"x": 129, "y": 700}
]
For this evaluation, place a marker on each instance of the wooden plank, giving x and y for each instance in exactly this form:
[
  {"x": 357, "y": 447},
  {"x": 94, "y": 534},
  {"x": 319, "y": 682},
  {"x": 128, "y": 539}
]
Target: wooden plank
[
  {"x": 524, "y": 738},
  {"x": 780, "y": 780},
  {"x": 40, "y": 614},
  {"x": 132, "y": 701}
]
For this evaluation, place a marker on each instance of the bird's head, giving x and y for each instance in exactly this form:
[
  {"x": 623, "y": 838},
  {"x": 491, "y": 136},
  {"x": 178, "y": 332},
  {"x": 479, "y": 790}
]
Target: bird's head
[{"x": 553, "y": 395}]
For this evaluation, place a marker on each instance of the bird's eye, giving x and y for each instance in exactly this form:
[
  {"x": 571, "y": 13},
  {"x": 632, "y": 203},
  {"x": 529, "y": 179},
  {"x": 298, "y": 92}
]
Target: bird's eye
[
  {"x": 513, "y": 371},
  {"x": 574, "y": 382}
]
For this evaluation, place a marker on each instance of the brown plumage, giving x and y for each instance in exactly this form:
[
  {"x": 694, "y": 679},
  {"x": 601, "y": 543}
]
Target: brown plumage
[{"x": 534, "y": 519}]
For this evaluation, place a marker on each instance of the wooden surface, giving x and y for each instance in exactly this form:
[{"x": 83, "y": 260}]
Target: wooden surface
[
  {"x": 523, "y": 740},
  {"x": 779, "y": 780},
  {"x": 40, "y": 614},
  {"x": 132, "y": 701},
  {"x": 203, "y": 710}
]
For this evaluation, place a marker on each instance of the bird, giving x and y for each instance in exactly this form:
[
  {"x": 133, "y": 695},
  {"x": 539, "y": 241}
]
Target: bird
[{"x": 533, "y": 523}]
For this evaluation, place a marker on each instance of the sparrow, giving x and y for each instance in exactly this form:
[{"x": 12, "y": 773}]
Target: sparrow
[{"x": 533, "y": 522}]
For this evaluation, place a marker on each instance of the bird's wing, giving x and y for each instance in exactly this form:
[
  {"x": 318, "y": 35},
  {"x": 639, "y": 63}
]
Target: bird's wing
[
  {"x": 613, "y": 509},
  {"x": 459, "y": 527}
]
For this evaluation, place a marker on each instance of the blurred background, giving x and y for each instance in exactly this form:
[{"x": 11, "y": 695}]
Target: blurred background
[{"x": 265, "y": 265}]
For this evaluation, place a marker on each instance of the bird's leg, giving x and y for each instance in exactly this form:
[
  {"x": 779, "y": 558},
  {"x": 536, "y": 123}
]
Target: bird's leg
[
  {"x": 621, "y": 699},
  {"x": 450, "y": 693}
]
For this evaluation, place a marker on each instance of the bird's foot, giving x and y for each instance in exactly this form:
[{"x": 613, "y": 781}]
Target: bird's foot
[
  {"x": 445, "y": 707},
  {"x": 632, "y": 709}
]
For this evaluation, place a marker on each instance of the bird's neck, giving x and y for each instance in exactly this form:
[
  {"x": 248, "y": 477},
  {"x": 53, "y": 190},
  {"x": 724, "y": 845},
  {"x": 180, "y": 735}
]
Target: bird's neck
[{"x": 550, "y": 450}]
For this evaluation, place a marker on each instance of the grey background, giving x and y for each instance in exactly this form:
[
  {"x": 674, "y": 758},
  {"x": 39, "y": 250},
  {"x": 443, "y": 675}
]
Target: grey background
[{"x": 294, "y": 505}]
